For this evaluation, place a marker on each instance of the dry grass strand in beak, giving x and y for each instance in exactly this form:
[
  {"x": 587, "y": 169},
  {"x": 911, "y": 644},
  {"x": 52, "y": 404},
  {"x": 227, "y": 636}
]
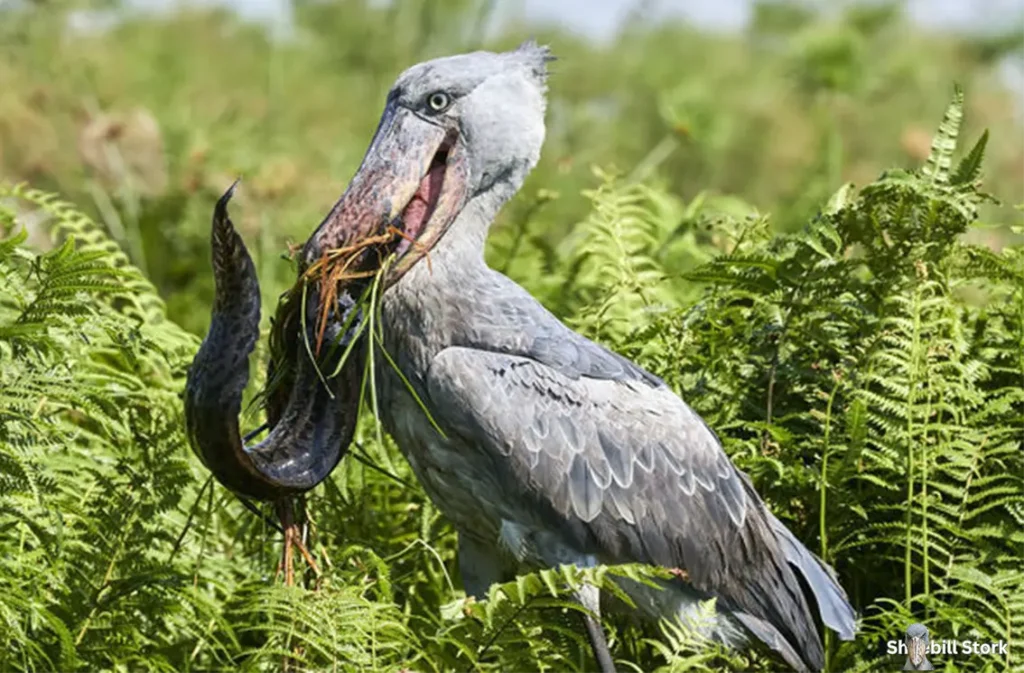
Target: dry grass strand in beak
[{"x": 336, "y": 268}]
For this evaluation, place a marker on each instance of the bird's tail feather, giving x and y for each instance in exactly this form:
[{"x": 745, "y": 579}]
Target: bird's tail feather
[
  {"x": 833, "y": 604},
  {"x": 770, "y": 636}
]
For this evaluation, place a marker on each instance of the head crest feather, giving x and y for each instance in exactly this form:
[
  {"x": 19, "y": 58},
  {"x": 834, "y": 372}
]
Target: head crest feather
[{"x": 534, "y": 56}]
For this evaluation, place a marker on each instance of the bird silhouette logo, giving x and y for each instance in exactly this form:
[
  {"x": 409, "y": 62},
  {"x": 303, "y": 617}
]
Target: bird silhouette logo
[{"x": 917, "y": 641}]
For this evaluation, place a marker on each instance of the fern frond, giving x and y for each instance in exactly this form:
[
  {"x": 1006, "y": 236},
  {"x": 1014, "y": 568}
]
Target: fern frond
[
  {"x": 939, "y": 160},
  {"x": 969, "y": 168}
]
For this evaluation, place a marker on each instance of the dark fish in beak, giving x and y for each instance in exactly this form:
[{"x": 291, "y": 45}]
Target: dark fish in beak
[
  {"x": 311, "y": 420},
  {"x": 408, "y": 190}
]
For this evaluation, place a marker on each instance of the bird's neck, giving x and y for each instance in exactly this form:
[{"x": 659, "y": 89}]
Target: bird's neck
[{"x": 424, "y": 310}]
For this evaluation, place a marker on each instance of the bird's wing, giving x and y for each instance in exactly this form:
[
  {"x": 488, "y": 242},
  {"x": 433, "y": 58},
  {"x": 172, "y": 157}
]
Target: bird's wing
[
  {"x": 509, "y": 320},
  {"x": 626, "y": 470}
]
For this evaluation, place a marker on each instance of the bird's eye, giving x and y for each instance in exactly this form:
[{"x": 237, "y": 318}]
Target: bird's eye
[{"x": 438, "y": 101}]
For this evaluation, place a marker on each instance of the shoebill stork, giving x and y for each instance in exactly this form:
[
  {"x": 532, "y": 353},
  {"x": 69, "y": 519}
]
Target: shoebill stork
[{"x": 554, "y": 449}]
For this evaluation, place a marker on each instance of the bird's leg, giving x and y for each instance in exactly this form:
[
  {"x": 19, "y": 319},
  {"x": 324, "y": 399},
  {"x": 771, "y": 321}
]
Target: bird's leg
[{"x": 589, "y": 597}]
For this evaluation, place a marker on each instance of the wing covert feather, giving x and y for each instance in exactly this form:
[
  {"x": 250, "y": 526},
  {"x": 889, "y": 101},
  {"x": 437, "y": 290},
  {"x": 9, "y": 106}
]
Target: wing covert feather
[{"x": 617, "y": 450}]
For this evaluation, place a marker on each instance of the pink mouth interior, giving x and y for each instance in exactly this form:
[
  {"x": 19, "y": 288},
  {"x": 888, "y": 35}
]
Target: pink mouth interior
[{"x": 421, "y": 207}]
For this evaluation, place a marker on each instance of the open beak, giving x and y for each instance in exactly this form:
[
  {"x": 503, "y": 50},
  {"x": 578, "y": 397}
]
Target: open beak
[{"x": 412, "y": 183}]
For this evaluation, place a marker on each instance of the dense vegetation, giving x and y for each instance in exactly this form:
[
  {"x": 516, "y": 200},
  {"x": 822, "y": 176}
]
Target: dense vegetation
[{"x": 861, "y": 353}]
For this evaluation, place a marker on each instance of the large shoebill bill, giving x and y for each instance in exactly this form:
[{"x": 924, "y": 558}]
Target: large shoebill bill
[{"x": 554, "y": 449}]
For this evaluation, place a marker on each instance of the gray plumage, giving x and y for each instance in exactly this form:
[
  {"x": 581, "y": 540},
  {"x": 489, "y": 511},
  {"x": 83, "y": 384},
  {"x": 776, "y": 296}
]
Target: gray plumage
[{"x": 557, "y": 450}]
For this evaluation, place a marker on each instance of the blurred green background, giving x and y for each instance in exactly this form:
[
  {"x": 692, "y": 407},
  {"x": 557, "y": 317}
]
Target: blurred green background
[{"x": 143, "y": 116}]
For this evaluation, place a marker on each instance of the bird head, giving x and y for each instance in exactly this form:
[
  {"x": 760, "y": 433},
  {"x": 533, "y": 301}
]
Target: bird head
[
  {"x": 917, "y": 640},
  {"x": 453, "y": 130}
]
